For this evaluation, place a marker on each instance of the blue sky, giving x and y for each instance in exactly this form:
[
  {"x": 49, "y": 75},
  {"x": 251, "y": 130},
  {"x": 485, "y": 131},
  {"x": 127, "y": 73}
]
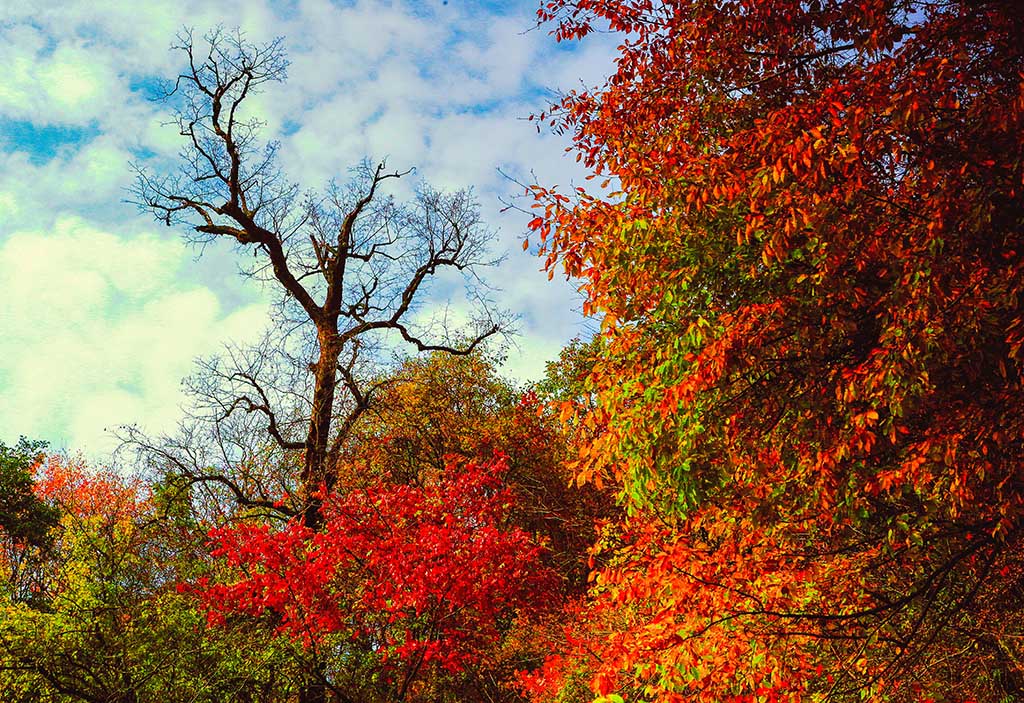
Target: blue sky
[{"x": 103, "y": 311}]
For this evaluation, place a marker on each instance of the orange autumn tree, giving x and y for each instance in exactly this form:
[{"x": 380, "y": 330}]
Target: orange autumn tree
[
  {"x": 810, "y": 279},
  {"x": 434, "y": 408}
]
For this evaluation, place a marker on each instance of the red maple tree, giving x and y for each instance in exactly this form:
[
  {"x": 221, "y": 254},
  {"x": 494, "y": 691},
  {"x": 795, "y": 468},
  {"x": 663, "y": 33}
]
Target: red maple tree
[{"x": 412, "y": 576}]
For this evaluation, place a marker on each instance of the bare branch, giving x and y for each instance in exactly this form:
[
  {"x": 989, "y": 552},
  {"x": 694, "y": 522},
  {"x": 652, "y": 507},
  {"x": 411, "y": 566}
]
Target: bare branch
[{"x": 351, "y": 266}]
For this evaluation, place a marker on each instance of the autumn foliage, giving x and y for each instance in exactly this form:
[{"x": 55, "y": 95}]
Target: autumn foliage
[
  {"x": 417, "y": 577},
  {"x": 438, "y": 407},
  {"x": 448, "y": 542},
  {"x": 810, "y": 276},
  {"x": 803, "y": 235},
  {"x": 92, "y": 614}
]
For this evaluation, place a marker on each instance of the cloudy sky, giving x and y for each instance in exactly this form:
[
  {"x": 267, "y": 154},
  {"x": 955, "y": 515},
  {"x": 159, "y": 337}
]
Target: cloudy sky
[{"x": 102, "y": 311}]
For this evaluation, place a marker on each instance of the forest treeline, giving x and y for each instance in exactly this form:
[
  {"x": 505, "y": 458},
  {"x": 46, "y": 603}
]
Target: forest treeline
[{"x": 788, "y": 468}]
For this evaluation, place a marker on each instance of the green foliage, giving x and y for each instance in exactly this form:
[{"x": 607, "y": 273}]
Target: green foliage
[
  {"x": 23, "y": 516},
  {"x": 106, "y": 622},
  {"x": 567, "y": 378}
]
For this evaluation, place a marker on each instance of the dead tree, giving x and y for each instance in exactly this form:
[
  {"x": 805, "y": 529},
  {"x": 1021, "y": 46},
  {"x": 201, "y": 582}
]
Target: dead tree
[{"x": 352, "y": 263}]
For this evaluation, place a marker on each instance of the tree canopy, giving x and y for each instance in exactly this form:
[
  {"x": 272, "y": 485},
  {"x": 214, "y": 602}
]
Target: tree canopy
[{"x": 810, "y": 278}]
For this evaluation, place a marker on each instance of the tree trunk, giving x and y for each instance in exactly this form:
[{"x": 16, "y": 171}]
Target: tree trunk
[{"x": 315, "y": 470}]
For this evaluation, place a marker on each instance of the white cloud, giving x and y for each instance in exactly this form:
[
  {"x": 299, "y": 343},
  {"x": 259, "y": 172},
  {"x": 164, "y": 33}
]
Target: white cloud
[
  {"x": 92, "y": 175},
  {"x": 98, "y": 331},
  {"x": 71, "y": 81},
  {"x": 69, "y": 85}
]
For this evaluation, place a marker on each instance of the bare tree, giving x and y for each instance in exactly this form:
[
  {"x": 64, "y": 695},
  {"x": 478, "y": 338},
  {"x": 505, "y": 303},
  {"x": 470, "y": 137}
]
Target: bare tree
[{"x": 351, "y": 263}]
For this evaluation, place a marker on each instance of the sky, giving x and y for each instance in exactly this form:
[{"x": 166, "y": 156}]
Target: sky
[{"x": 103, "y": 311}]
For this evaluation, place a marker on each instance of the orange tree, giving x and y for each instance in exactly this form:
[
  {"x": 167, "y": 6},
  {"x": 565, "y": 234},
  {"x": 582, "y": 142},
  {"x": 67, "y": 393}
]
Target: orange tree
[
  {"x": 436, "y": 407},
  {"x": 810, "y": 279}
]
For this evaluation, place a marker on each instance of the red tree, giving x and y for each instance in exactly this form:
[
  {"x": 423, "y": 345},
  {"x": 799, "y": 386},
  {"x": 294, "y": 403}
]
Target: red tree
[
  {"x": 407, "y": 578},
  {"x": 811, "y": 279}
]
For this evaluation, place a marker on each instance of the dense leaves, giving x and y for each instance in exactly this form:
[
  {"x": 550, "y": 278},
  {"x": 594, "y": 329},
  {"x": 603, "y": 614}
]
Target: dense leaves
[
  {"x": 439, "y": 406},
  {"x": 417, "y": 576},
  {"x": 24, "y": 517},
  {"x": 26, "y": 522},
  {"x": 103, "y": 621},
  {"x": 810, "y": 397}
]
